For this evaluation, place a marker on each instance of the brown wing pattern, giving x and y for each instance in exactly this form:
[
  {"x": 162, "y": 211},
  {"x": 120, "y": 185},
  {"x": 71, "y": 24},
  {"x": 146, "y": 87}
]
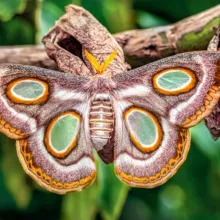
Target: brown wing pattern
[
  {"x": 175, "y": 108},
  {"x": 33, "y": 105},
  {"x": 19, "y": 120}
]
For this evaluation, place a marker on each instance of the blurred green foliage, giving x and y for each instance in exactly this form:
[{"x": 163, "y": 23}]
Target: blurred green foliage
[
  {"x": 10, "y": 8},
  {"x": 193, "y": 193}
]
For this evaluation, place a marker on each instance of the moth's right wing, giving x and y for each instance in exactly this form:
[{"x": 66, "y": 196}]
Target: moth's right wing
[
  {"x": 155, "y": 105},
  {"x": 45, "y": 111}
]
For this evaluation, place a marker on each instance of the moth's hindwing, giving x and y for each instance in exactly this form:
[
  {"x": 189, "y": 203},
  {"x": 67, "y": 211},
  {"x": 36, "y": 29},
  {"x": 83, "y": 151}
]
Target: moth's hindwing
[
  {"x": 57, "y": 157},
  {"x": 43, "y": 110},
  {"x": 150, "y": 150}
]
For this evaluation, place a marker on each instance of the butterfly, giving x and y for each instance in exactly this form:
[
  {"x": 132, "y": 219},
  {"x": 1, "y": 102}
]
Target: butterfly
[{"x": 139, "y": 120}]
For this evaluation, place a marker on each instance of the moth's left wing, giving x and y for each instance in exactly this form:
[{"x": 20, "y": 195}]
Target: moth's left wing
[
  {"x": 183, "y": 88},
  {"x": 45, "y": 111},
  {"x": 29, "y": 95}
]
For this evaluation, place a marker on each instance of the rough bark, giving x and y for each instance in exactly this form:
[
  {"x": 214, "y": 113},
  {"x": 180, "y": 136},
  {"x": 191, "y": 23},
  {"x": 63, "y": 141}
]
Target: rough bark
[
  {"x": 140, "y": 46},
  {"x": 78, "y": 33},
  {"x": 192, "y": 33},
  {"x": 27, "y": 55},
  {"x": 213, "y": 120}
]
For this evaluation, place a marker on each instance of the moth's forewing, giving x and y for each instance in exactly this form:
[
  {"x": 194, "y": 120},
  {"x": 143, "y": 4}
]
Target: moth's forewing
[
  {"x": 29, "y": 95},
  {"x": 183, "y": 88}
]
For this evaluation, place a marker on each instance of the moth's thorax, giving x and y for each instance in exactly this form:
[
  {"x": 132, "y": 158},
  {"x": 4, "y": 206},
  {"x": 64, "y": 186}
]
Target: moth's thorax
[
  {"x": 100, "y": 86},
  {"x": 101, "y": 121}
]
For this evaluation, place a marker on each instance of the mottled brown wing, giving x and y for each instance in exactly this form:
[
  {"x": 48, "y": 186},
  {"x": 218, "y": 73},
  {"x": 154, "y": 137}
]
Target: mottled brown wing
[
  {"x": 155, "y": 104},
  {"x": 45, "y": 111}
]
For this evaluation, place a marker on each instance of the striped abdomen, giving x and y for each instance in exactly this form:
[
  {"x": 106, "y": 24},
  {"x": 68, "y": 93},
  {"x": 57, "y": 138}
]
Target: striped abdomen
[{"x": 101, "y": 122}]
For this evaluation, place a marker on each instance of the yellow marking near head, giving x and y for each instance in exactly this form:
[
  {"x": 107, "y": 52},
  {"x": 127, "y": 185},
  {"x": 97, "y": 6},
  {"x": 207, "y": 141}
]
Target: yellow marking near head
[
  {"x": 100, "y": 68},
  {"x": 108, "y": 60},
  {"x": 93, "y": 61}
]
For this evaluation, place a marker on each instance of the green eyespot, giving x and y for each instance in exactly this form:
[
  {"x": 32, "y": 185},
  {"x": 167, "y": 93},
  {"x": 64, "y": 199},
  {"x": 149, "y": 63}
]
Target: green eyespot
[
  {"x": 144, "y": 128},
  {"x": 174, "y": 81},
  {"x": 62, "y": 134},
  {"x": 27, "y": 91}
]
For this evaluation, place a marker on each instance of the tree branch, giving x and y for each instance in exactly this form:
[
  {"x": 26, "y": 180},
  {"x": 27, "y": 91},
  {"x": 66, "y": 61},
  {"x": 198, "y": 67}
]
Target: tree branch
[
  {"x": 192, "y": 33},
  {"x": 140, "y": 46}
]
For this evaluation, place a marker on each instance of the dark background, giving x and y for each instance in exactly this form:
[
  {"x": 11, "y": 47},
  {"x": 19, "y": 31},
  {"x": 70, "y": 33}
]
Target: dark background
[{"x": 193, "y": 193}]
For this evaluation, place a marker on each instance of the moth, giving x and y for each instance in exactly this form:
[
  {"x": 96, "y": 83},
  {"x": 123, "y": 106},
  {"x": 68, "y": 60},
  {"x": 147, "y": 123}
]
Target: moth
[{"x": 138, "y": 119}]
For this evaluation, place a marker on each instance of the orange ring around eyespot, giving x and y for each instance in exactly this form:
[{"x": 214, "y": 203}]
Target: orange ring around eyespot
[
  {"x": 158, "y": 129},
  {"x": 49, "y": 147},
  {"x": 15, "y": 99},
  {"x": 187, "y": 88}
]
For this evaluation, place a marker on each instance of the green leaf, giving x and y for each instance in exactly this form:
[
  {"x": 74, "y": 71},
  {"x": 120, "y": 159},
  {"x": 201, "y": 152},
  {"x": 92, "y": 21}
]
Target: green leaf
[
  {"x": 121, "y": 19},
  {"x": 11, "y": 7},
  {"x": 80, "y": 205},
  {"x": 51, "y": 11},
  {"x": 113, "y": 14},
  {"x": 113, "y": 192},
  {"x": 136, "y": 208},
  {"x": 172, "y": 200},
  {"x": 17, "y": 31},
  {"x": 14, "y": 176},
  {"x": 174, "y": 10},
  {"x": 202, "y": 139},
  {"x": 148, "y": 20}
]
